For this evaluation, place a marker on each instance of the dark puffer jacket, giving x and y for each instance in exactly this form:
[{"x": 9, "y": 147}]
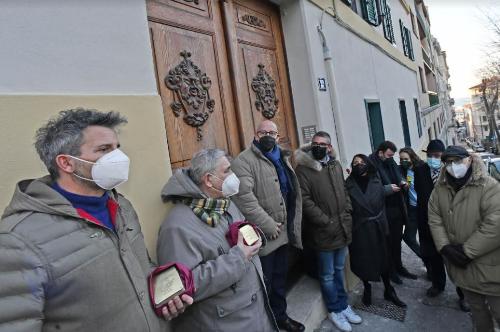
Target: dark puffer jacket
[{"x": 326, "y": 207}]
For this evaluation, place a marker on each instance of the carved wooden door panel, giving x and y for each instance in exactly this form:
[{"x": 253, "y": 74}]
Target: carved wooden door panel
[
  {"x": 193, "y": 80},
  {"x": 220, "y": 69},
  {"x": 253, "y": 30}
]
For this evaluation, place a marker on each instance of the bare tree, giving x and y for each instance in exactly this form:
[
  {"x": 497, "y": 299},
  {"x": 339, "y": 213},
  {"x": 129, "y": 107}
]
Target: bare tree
[{"x": 490, "y": 79}]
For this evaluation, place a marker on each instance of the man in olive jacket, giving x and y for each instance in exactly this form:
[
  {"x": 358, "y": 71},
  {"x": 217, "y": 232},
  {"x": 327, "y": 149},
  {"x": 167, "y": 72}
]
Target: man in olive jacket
[
  {"x": 72, "y": 255},
  {"x": 327, "y": 222},
  {"x": 464, "y": 218},
  {"x": 269, "y": 197}
]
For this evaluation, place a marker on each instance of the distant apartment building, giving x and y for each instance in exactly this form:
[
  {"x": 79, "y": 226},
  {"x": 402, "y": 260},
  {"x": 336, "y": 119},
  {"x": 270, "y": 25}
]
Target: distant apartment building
[
  {"x": 434, "y": 89},
  {"x": 479, "y": 118}
]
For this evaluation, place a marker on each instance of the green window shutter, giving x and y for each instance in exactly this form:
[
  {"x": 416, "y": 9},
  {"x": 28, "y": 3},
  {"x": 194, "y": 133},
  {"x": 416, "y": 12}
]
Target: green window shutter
[
  {"x": 370, "y": 12},
  {"x": 388, "y": 28},
  {"x": 403, "y": 38},
  {"x": 409, "y": 44}
]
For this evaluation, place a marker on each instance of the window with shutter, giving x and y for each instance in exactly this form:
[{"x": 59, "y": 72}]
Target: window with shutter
[
  {"x": 403, "y": 38},
  {"x": 409, "y": 44},
  {"x": 370, "y": 12},
  {"x": 388, "y": 28}
]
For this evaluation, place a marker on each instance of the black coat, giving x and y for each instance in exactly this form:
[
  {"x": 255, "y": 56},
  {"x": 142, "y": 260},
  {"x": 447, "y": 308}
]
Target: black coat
[
  {"x": 368, "y": 250},
  {"x": 424, "y": 187},
  {"x": 389, "y": 173}
]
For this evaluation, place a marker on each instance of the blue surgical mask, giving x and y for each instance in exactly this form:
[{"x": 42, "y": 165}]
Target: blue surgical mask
[{"x": 434, "y": 163}]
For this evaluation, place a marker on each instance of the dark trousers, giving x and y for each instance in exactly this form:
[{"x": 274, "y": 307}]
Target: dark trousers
[
  {"x": 275, "y": 268},
  {"x": 435, "y": 264},
  {"x": 410, "y": 233},
  {"x": 394, "y": 243}
]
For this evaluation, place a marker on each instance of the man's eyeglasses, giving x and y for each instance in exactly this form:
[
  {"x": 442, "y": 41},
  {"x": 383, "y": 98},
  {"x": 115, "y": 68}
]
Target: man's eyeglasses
[
  {"x": 454, "y": 161},
  {"x": 262, "y": 133},
  {"x": 323, "y": 145}
]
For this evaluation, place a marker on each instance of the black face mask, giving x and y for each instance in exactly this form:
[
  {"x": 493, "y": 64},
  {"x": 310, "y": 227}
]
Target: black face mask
[
  {"x": 267, "y": 143},
  {"x": 318, "y": 152},
  {"x": 388, "y": 161},
  {"x": 359, "y": 170}
]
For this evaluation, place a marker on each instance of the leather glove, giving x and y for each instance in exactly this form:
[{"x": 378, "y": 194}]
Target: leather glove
[{"x": 455, "y": 254}]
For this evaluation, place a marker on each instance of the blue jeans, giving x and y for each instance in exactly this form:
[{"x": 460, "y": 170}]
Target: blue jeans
[{"x": 331, "y": 278}]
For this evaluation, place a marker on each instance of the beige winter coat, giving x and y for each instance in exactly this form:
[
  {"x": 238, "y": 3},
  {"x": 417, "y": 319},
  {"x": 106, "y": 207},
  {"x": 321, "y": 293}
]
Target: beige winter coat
[
  {"x": 260, "y": 199},
  {"x": 470, "y": 217}
]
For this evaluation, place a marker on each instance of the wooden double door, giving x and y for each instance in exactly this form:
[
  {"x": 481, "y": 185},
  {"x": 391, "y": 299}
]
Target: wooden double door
[{"x": 221, "y": 69}]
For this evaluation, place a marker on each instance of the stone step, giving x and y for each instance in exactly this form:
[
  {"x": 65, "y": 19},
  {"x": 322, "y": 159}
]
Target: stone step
[{"x": 305, "y": 303}]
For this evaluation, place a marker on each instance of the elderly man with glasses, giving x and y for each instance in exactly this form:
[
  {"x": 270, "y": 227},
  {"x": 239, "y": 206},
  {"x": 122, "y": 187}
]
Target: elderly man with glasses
[
  {"x": 269, "y": 197},
  {"x": 464, "y": 218}
]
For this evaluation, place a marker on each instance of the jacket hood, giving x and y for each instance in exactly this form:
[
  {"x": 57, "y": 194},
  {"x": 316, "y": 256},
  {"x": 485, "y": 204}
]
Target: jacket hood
[
  {"x": 36, "y": 195},
  {"x": 303, "y": 156},
  {"x": 180, "y": 186},
  {"x": 478, "y": 172}
]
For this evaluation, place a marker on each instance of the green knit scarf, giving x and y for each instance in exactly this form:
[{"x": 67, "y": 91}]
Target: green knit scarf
[{"x": 209, "y": 210}]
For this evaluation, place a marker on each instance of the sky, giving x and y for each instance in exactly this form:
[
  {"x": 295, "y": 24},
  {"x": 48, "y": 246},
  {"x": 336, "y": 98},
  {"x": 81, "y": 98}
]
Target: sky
[{"x": 462, "y": 30}]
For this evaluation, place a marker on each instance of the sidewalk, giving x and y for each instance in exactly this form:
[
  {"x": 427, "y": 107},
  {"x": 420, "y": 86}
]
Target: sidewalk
[{"x": 439, "y": 314}]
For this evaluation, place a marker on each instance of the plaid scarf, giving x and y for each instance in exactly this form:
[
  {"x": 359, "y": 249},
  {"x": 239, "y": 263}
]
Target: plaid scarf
[{"x": 209, "y": 210}]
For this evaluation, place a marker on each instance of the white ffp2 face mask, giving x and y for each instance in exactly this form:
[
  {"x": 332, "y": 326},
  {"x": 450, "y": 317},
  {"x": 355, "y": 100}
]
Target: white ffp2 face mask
[
  {"x": 109, "y": 171},
  {"x": 458, "y": 171},
  {"x": 230, "y": 185}
]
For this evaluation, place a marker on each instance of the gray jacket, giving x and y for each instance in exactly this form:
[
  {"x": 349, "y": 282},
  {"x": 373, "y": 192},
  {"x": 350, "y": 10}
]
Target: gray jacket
[
  {"x": 230, "y": 293},
  {"x": 62, "y": 272},
  {"x": 261, "y": 201}
]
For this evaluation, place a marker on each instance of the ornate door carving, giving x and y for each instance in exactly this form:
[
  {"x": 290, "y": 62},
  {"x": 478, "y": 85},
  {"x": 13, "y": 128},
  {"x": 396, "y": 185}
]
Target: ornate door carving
[
  {"x": 191, "y": 93},
  {"x": 230, "y": 76},
  {"x": 260, "y": 76},
  {"x": 195, "y": 85}
]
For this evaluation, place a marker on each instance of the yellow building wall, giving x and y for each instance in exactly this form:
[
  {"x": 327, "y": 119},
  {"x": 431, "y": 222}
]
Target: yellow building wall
[{"x": 143, "y": 139}]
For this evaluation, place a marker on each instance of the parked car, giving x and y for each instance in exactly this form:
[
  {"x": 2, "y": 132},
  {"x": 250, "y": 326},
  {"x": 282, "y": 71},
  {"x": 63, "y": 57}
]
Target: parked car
[
  {"x": 478, "y": 147},
  {"x": 493, "y": 165},
  {"x": 486, "y": 156}
]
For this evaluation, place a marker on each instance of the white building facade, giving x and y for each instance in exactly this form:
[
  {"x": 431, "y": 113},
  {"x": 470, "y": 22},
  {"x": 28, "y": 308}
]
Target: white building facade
[{"x": 350, "y": 68}]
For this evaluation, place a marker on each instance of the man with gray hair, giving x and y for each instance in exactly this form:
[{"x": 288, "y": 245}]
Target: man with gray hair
[
  {"x": 73, "y": 256},
  {"x": 230, "y": 293}
]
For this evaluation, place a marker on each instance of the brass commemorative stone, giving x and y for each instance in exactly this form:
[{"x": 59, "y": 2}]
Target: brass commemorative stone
[
  {"x": 167, "y": 285},
  {"x": 249, "y": 234}
]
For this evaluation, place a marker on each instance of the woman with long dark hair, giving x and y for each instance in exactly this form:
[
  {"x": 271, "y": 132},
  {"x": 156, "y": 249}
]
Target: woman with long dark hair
[{"x": 369, "y": 255}]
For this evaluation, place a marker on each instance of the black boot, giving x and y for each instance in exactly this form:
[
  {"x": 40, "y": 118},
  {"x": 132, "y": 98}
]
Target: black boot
[
  {"x": 390, "y": 295},
  {"x": 396, "y": 279},
  {"x": 433, "y": 291},
  {"x": 464, "y": 306},
  {"x": 367, "y": 295},
  {"x": 405, "y": 273}
]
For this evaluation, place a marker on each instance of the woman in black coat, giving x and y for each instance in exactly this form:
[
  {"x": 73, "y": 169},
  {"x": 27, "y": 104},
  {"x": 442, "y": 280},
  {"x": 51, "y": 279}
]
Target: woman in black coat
[{"x": 368, "y": 251}]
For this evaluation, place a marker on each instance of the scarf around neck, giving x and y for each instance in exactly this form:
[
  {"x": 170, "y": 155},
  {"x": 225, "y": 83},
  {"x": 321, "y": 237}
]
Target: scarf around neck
[
  {"x": 209, "y": 210},
  {"x": 275, "y": 157}
]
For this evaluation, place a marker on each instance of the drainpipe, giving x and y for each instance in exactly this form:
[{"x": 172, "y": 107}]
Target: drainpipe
[{"x": 327, "y": 58}]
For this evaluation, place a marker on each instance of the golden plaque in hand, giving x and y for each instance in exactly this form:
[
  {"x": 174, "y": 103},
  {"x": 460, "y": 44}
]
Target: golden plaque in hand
[
  {"x": 249, "y": 235},
  {"x": 167, "y": 285}
]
